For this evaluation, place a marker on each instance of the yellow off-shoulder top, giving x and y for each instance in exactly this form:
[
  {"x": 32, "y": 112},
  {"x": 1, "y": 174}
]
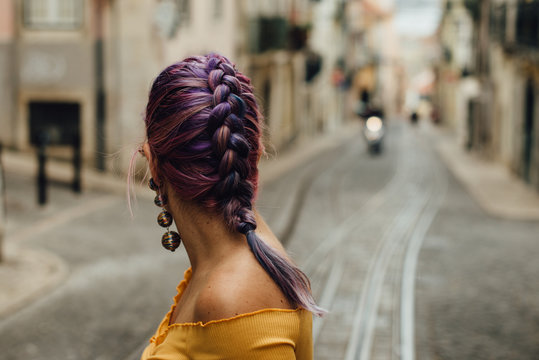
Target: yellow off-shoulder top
[{"x": 265, "y": 334}]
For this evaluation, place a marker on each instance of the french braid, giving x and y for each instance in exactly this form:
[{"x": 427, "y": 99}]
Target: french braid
[
  {"x": 225, "y": 126},
  {"x": 203, "y": 127}
]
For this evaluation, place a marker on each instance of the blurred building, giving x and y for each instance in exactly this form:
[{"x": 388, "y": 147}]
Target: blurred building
[
  {"x": 372, "y": 53},
  {"x": 275, "y": 55},
  {"x": 457, "y": 87},
  {"x": 328, "y": 40},
  {"x": 80, "y": 70},
  {"x": 47, "y": 66},
  {"x": 489, "y": 80}
]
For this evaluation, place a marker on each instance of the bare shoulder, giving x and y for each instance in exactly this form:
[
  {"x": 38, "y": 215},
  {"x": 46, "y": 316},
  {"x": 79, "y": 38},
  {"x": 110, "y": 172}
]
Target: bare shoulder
[{"x": 240, "y": 290}]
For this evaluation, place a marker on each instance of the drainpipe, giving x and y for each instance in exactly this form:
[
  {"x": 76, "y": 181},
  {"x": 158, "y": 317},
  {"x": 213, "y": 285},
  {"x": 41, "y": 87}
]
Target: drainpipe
[
  {"x": 2, "y": 207},
  {"x": 485, "y": 125},
  {"x": 100, "y": 100}
]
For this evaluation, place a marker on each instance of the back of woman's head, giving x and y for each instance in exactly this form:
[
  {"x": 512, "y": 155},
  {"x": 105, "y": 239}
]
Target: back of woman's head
[{"x": 203, "y": 128}]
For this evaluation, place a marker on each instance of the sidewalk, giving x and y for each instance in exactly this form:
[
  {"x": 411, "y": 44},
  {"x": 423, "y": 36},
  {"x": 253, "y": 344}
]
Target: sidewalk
[
  {"x": 26, "y": 274},
  {"x": 499, "y": 192},
  {"x": 270, "y": 166}
]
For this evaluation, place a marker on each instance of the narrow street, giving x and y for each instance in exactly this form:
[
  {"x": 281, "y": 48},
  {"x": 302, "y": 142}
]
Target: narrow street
[
  {"x": 404, "y": 260},
  {"x": 424, "y": 250},
  {"x": 375, "y": 212},
  {"x": 408, "y": 265}
]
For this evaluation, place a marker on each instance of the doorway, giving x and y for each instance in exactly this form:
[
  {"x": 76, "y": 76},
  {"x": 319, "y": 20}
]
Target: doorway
[{"x": 58, "y": 122}]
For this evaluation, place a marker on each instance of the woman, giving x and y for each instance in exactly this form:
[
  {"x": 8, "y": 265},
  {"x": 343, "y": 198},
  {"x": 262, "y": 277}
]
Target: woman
[{"x": 242, "y": 298}]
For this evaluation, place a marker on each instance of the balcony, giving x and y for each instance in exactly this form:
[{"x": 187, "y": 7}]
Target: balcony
[
  {"x": 527, "y": 27},
  {"x": 498, "y": 23},
  {"x": 268, "y": 33}
]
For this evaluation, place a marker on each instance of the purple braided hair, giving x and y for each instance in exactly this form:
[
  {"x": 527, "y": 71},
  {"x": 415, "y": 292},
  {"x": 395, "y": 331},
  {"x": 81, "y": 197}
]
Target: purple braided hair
[{"x": 203, "y": 129}]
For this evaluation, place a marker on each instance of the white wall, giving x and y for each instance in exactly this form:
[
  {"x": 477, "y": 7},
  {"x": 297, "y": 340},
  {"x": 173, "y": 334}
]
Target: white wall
[{"x": 206, "y": 32}]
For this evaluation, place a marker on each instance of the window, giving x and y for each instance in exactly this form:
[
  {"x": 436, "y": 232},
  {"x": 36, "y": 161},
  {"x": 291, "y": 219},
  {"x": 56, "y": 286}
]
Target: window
[
  {"x": 217, "y": 9},
  {"x": 498, "y": 21},
  {"x": 527, "y": 24},
  {"x": 184, "y": 11},
  {"x": 53, "y": 14}
]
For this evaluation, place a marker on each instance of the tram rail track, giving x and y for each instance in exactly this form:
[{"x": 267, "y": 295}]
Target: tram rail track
[
  {"x": 404, "y": 251},
  {"x": 400, "y": 243}
]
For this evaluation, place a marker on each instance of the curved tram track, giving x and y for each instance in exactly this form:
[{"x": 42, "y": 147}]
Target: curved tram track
[{"x": 363, "y": 270}]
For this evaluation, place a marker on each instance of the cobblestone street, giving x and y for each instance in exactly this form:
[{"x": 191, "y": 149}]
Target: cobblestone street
[
  {"x": 400, "y": 173},
  {"x": 406, "y": 262}
]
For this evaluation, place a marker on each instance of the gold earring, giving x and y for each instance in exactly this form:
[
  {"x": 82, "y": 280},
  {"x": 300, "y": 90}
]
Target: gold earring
[{"x": 171, "y": 239}]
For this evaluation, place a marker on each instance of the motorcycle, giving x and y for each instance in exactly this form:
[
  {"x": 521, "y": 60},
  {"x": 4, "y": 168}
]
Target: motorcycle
[
  {"x": 414, "y": 117},
  {"x": 373, "y": 130}
]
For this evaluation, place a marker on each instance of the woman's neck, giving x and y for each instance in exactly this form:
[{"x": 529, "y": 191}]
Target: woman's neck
[{"x": 205, "y": 235}]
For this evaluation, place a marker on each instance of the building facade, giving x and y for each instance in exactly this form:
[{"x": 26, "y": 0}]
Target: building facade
[
  {"x": 47, "y": 65},
  {"x": 372, "y": 53},
  {"x": 490, "y": 95},
  {"x": 80, "y": 71}
]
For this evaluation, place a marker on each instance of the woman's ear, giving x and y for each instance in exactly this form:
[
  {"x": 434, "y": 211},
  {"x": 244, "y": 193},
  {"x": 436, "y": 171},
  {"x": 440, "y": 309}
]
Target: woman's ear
[{"x": 151, "y": 163}]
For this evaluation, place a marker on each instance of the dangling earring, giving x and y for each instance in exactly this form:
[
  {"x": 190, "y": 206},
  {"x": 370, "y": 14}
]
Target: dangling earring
[{"x": 171, "y": 239}]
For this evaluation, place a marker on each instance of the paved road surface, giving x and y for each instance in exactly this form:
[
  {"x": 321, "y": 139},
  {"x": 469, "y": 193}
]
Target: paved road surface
[{"x": 406, "y": 263}]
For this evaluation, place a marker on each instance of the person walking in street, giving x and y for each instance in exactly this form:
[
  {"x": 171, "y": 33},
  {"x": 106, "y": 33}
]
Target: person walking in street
[{"x": 242, "y": 297}]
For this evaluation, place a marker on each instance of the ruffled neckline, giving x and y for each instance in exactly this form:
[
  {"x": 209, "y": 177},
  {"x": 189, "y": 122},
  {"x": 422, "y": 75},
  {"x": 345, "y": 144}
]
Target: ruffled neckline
[{"x": 166, "y": 325}]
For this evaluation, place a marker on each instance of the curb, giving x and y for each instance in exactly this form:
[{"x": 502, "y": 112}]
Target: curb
[
  {"x": 26, "y": 164},
  {"x": 300, "y": 154},
  {"x": 270, "y": 167},
  {"x": 27, "y": 274},
  {"x": 304, "y": 149},
  {"x": 497, "y": 191}
]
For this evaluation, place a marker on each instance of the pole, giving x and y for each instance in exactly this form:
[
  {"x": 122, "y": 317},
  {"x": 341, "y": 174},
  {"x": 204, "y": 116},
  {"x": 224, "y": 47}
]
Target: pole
[
  {"x": 76, "y": 164},
  {"x": 41, "y": 174},
  {"x": 485, "y": 125},
  {"x": 2, "y": 206},
  {"x": 100, "y": 99}
]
